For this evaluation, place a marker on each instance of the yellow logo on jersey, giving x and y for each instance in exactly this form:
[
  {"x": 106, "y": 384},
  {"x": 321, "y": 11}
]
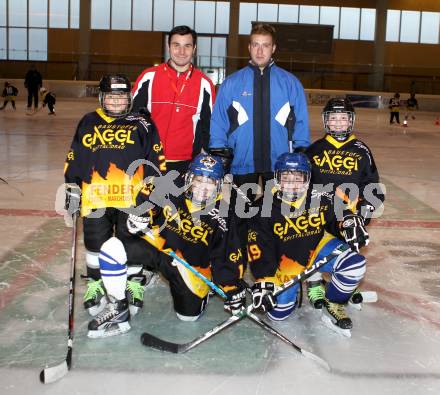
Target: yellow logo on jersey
[
  {"x": 301, "y": 224},
  {"x": 107, "y": 137},
  {"x": 337, "y": 161},
  {"x": 186, "y": 226},
  {"x": 157, "y": 147},
  {"x": 252, "y": 236},
  {"x": 235, "y": 256},
  {"x": 70, "y": 155}
]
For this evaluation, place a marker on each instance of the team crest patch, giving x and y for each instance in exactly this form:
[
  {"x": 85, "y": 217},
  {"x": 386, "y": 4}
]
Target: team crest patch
[{"x": 209, "y": 162}]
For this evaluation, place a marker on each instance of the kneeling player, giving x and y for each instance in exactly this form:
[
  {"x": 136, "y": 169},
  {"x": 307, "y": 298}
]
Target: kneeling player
[
  {"x": 339, "y": 158},
  {"x": 294, "y": 236},
  {"x": 193, "y": 227},
  {"x": 106, "y": 143}
]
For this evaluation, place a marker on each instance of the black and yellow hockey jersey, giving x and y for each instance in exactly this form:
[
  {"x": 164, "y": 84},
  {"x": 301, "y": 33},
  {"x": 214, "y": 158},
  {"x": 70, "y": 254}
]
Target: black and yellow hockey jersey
[
  {"x": 101, "y": 153},
  {"x": 286, "y": 240},
  {"x": 350, "y": 161},
  {"x": 207, "y": 240}
]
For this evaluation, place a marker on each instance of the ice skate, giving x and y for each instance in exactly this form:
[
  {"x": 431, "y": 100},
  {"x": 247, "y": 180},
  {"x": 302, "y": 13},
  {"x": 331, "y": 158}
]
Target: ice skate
[
  {"x": 135, "y": 288},
  {"x": 335, "y": 318},
  {"x": 94, "y": 298},
  {"x": 112, "y": 321},
  {"x": 316, "y": 294}
]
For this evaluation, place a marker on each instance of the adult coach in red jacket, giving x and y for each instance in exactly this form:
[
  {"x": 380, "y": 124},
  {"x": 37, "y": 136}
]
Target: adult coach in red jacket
[{"x": 179, "y": 98}]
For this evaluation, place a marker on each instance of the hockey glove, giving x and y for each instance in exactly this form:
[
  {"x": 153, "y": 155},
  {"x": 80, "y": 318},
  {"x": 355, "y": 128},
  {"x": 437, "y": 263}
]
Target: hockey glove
[
  {"x": 236, "y": 300},
  {"x": 365, "y": 210},
  {"x": 225, "y": 154},
  {"x": 73, "y": 198},
  {"x": 137, "y": 225},
  {"x": 262, "y": 296},
  {"x": 354, "y": 231}
]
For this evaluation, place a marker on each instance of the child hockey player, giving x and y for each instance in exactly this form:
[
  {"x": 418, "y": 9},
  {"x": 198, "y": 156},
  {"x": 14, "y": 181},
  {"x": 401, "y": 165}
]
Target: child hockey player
[
  {"x": 294, "y": 236},
  {"x": 9, "y": 93},
  {"x": 192, "y": 226},
  {"x": 340, "y": 158},
  {"x": 411, "y": 105},
  {"x": 394, "y": 106},
  {"x": 48, "y": 98},
  {"x": 107, "y": 141}
]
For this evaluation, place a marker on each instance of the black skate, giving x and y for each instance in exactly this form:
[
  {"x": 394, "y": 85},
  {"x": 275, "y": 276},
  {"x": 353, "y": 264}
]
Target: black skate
[
  {"x": 335, "y": 318},
  {"x": 135, "y": 292},
  {"x": 94, "y": 298},
  {"x": 112, "y": 321},
  {"x": 316, "y": 294}
]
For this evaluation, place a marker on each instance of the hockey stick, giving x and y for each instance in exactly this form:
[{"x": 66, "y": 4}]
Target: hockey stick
[
  {"x": 238, "y": 190},
  {"x": 54, "y": 373},
  {"x": 152, "y": 341},
  {"x": 290, "y": 124}
]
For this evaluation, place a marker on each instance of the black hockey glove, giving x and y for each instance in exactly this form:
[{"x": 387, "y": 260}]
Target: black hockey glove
[
  {"x": 354, "y": 231},
  {"x": 235, "y": 300},
  {"x": 262, "y": 296},
  {"x": 225, "y": 154},
  {"x": 365, "y": 210},
  {"x": 73, "y": 198}
]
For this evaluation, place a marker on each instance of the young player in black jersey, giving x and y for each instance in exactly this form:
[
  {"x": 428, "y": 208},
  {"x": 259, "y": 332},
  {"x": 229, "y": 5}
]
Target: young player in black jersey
[
  {"x": 302, "y": 227},
  {"x": 9, "y": 93},
  {"x": 394, "y": 106},
  {"x": 344, "y": 165},
  {"x": 105, "y": 182},
  {"x": 195, "y": 226},
  {"x": 48, "y": 99}
]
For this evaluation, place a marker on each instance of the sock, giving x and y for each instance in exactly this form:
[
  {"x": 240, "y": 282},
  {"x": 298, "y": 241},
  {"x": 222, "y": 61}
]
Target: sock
[{"x": 113, "y": 267}]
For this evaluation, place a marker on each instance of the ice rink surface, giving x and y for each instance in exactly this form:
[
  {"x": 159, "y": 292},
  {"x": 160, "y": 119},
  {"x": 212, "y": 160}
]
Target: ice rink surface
[{"x": 395, "y": 343}]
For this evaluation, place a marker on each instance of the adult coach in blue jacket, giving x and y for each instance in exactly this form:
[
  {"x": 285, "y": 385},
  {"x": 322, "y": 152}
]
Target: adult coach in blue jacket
[{"x": 254, "y": 110}]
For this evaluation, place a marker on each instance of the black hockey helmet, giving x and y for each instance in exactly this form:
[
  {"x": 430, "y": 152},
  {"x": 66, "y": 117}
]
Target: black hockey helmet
[
  {"x": 115, "y": 95},
  {"x": 342, "y": 106}
]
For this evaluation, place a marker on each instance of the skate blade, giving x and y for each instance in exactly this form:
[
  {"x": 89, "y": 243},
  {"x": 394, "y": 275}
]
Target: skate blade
[
  {"x": 95, "y": 310},
  {"x": 133, "y": 310},
  {"x": 114, "y": 330},
  {"x": 331, "y": 325}
]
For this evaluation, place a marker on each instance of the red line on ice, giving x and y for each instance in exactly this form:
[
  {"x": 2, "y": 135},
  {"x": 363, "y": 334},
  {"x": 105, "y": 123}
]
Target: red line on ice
[
  {"x": 27, "y": 213},
  {"x": 384, "y": 223},
  {"x": 31, "y": 271}
]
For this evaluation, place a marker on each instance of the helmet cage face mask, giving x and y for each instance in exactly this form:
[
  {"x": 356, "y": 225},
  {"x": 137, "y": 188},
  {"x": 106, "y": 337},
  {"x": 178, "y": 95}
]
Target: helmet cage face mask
[
  {"x": 204, "y": 179},
  {"x": 116, "y": 104},
  {"x": 200, "y": 189},
  {"x": 339, "y": 135},
  {"x": 291, "y": 184},
  {"x": 115, "y": 95}
]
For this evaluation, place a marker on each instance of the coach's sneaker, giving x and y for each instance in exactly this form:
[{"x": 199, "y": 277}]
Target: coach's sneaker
[
  {"x": 94, "y": 298},
  {"x": 112, "y": 321},
  {"x": 316, "y": 294},
  {"x": 135, "y": 292},
  {"x": 338, "y": 315}
]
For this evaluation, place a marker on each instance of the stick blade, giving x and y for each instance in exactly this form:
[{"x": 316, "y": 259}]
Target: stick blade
[
  {"x": 318, "y": 360},
  {"x": 54, "y": 373},
  {"x": 149, "y": 340}
]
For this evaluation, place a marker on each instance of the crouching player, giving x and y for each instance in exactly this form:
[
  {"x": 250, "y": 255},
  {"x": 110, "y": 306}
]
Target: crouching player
[
  {"x": 293, "y": 237},
  {"x": 193, "y": 227},
  {"x": 104, "y": 185},
  {"x": 340, "y": 160}
]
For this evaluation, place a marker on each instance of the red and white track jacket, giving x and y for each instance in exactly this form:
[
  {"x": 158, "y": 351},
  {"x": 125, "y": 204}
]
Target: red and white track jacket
[{"x": 180, "y": 105}]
